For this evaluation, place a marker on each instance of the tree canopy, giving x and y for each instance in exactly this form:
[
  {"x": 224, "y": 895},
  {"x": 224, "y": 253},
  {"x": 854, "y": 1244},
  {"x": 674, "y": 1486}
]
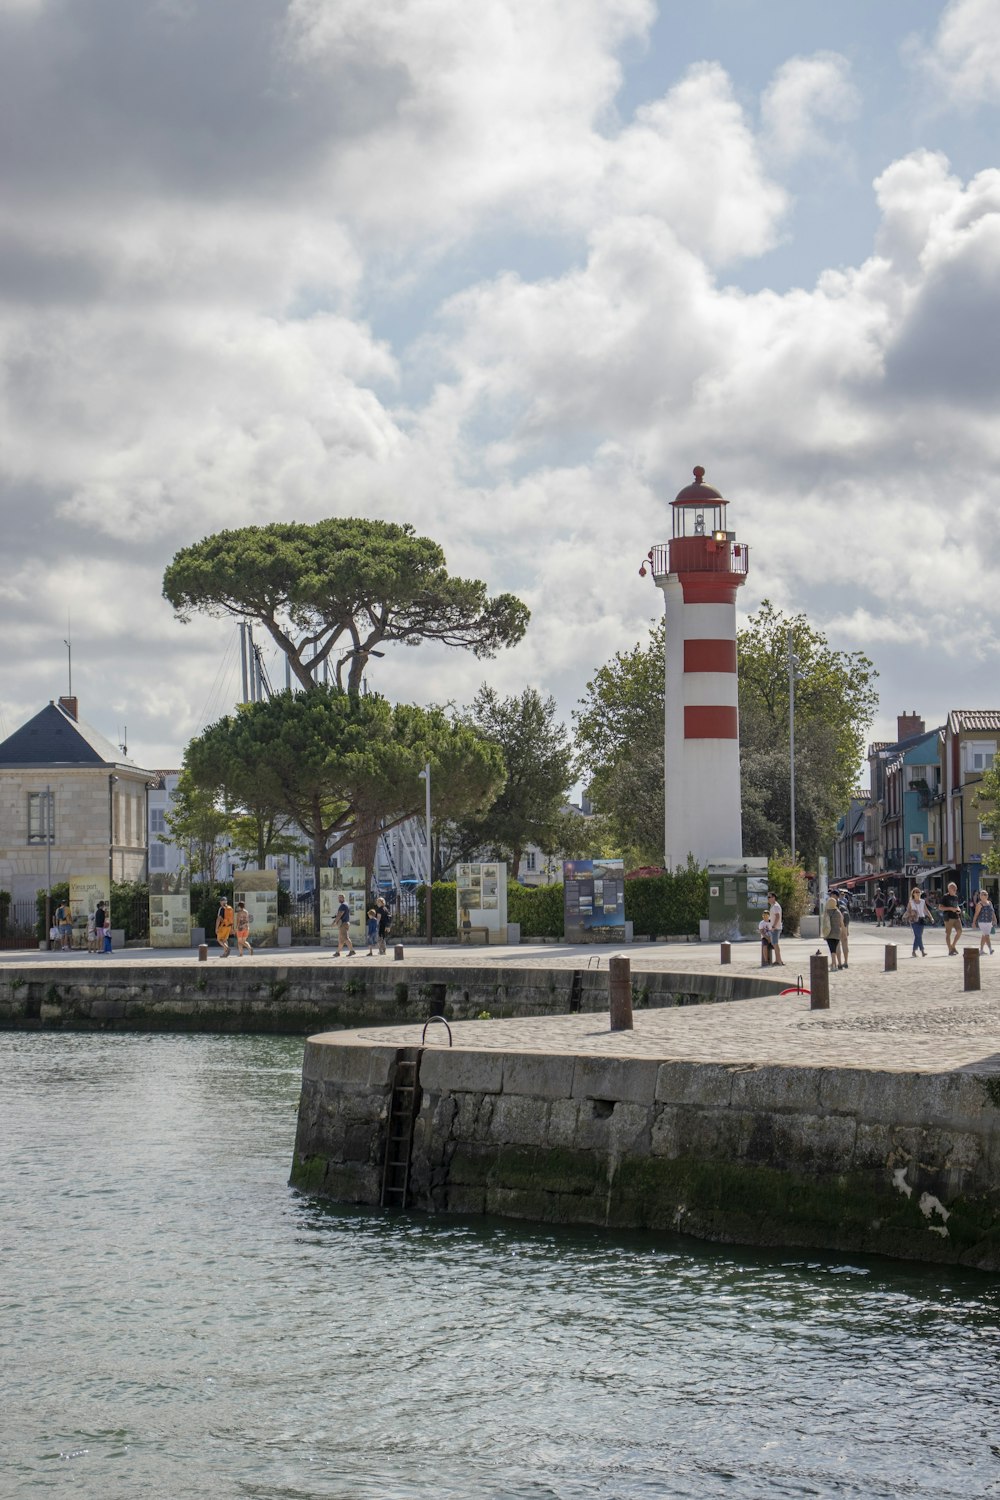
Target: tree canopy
[
  {"x": 538, "y": 763},
  {"x": 341, "y": 768},
  {"x": 336, "y": 590},
  {"x": 620, "y": 736}
]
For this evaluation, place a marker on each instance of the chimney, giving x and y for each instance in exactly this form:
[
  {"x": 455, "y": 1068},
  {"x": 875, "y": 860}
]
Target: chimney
[
  {"x": 70, "y": 706},
  {"x": 907, "y": 724}
]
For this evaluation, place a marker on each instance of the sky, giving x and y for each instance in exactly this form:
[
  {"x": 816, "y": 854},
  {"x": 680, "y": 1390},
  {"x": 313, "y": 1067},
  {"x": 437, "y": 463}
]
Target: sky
[{"x": 506, "y": 271}]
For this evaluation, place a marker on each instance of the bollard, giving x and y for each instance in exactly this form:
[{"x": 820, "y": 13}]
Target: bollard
[
  {"x": 970, "y": 963},
  {"x": 620, "y": 992},
  {"x": 890, "y": 957},
  {"x": 725, "y": 954},
  {"x": 819, "y": 982},
  {"x": 202, "y": 953},
  {"x": 397, "y": 951}
]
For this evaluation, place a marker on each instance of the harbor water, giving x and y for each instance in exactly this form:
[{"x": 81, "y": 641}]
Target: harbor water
[{"x": 175, "y": 1321}]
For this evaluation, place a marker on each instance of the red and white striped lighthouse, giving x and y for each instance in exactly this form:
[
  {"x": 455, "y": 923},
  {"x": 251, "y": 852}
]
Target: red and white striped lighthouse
[{"x": 699, "y": 571}]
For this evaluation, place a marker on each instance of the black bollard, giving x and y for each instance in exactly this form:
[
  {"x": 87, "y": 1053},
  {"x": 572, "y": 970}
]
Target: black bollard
[
  {"x": 620, "y": 992},
  {"x": 397, "y": 951},
  {"x": 819, "y": 982},
  {"x": 970, "y": 963},
  {"x": 890, "y": 958},
  {"x": 725, "y": 954},
  {"x": 202, "y": 953}
]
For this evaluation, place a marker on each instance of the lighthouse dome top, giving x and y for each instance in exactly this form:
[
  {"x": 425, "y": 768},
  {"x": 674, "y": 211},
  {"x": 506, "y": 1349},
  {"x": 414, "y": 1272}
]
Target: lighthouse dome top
[{"x": 698, "y": 493}]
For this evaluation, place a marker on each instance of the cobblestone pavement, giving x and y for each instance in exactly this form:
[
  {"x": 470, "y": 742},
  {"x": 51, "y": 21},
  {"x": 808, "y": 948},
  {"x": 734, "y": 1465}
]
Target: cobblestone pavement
[{"x": 918, "y": 1018}]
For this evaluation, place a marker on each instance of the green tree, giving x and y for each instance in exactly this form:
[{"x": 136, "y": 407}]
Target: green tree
[
  {"x": 986, "y": 799},
  {"x": 342, "y": 769},
  {"x": 835, "y": 700},
  {"x": 199, "y": 825},
  {"x": 337, "y": 590},
  {"x": 538, "y": 761},
  {"x": 619, "y": 738}
]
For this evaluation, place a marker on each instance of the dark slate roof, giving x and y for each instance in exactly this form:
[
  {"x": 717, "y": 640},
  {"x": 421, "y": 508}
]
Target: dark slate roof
[{"x": 53, "y": 738}]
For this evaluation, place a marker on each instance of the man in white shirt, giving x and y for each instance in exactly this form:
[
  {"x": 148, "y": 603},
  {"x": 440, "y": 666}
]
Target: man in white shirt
[{"x": 774, "y": 918}]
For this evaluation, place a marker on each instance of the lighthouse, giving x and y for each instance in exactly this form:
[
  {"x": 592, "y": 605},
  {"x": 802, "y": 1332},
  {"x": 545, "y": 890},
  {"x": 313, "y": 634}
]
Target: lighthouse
[{"x": 699, "y": 571}]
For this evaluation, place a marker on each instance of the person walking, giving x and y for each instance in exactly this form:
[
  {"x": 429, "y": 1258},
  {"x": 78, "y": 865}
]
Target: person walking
[
  {"x": 951, "y": 909},
  {"x": 845, "y": 928},
  {"x": 384, "y": 922},
  {"x": 917, "y": 914},
  {"x": 242, "y": 923},
  {"x": 224, "y": 927},
  {"x": 984, "y": 918},
  {"x": 774, "y": 918},
  {"x": 832, "y": 929},
  {"x": 344, "y": 927},
  {"x": 880, "y": 907}
]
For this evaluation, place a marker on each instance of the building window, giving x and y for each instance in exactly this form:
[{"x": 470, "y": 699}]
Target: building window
[
  {"x": 157, "y": 857},
  {"x": 979, "y": 754},
  {"x": 985, "y": 831},
  {"x": 157, "y": 820},
  {"x": 41, "y": 818},
  {"x": 529, "y": 861}
]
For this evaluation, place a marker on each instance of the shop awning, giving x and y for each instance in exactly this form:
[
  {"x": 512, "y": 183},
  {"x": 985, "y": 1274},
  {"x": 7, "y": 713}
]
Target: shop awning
[
  {"x": 937, "y": 870},
  {"x": 848, "y": 885}
]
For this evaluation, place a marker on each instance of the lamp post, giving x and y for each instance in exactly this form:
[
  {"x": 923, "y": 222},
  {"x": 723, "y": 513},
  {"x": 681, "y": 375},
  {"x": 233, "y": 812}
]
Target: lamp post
[
  {"x": 793, "y": 678},
  {"x": 425, "y": 776},
  {"x": 49, "y": 830}
]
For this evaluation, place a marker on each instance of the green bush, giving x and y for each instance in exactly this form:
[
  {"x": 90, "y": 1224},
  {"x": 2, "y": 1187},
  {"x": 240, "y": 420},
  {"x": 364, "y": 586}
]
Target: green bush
[
  {"x": 539, "y": 909},
  {"x": 788, "y": 882},
  {"x": 667, "y": 905}
]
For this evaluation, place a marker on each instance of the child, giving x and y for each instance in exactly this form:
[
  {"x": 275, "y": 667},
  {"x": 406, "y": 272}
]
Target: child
[
  {"x": 766, "y": 951},
  {"x": 372, "y": 930},
  {"x": 243, "y": 929}
]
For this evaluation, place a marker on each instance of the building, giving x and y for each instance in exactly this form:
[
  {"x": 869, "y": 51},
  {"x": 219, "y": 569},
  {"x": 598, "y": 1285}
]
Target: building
[
  {"x": 848, "y": 858},
  {"x": 71, "y": 803},
  {"x": 700, "y": 570}
]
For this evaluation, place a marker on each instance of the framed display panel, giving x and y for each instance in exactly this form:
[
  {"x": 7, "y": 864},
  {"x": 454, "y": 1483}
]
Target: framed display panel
[
  {"x": 258, "y": 889},
  {"x": 170, "y": 910},
  {"x": 85, "y": 891},
  {"x": 349, "y": 879},
  {"x": 594, "y": 900},
  {"x": 481, "y": 899},
  {"x": 737, "y": 899}
]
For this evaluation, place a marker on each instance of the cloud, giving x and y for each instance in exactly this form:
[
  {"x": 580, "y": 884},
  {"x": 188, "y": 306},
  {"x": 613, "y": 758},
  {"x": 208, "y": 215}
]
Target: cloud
[
  {"x": 202, "y": 247},
  {"x": 806, "y": 96},
  {"x": 964, "y": 56}
]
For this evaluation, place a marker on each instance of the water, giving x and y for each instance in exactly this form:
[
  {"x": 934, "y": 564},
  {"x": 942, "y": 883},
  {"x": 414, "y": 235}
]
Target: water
[{"x": 175, "y": 1322}]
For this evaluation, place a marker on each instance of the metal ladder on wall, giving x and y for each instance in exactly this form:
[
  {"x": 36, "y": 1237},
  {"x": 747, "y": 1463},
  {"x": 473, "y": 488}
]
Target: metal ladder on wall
[{"x": 399, "y": 1131}]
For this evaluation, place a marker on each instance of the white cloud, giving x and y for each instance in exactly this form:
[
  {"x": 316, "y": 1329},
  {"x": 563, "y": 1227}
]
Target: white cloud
[
  {"x": 806, "y": 96},
  {"x": 964, "y": 57}
]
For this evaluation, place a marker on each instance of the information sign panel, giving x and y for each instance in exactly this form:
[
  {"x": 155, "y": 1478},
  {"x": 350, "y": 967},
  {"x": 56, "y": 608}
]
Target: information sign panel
[
  {"x": 170, "y": 909},
  {"x": 258, "y": 890},
  {"x": 594, "y": 900},
  {"x": 349, "y": 880}
]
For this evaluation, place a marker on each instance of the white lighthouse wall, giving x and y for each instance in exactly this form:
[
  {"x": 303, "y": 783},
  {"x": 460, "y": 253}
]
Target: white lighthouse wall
[{"x": 702, "y": 812}]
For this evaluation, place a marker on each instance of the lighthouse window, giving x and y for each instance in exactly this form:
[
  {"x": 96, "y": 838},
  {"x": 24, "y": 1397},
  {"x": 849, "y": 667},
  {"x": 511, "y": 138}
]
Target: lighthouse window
[{"x": 699, "y": 524}]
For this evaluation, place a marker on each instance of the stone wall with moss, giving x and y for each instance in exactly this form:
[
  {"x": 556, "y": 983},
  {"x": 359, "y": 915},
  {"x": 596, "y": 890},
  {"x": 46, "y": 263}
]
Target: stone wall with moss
[
  {"x": 297, "y": 999},
  {"x": 902, "y": 1164}
]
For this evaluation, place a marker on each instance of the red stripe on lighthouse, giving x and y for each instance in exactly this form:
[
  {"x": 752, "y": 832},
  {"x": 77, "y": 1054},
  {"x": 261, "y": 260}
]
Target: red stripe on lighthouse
[
  {"x": 711, "y": 722},
  {"x": 710, "y": 656}
]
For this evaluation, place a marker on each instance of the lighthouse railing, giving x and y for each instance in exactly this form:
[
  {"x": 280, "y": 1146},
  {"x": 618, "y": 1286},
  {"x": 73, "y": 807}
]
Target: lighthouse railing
[{"x": 699, "y": 555}]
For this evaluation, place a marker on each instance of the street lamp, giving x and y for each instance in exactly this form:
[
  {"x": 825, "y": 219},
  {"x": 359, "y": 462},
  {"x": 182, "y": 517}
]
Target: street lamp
[
  {"x": 425, "y": 776},
  {"x": 794, "y": 676}
]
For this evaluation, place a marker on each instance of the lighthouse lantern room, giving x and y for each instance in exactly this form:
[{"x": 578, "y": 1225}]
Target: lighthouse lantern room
[{"x": 699, "y": 571}]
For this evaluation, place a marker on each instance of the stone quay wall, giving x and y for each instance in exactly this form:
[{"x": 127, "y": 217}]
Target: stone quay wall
[
  {"x": 261, "y": 996},
  {"x": 901, "y": 1164}
]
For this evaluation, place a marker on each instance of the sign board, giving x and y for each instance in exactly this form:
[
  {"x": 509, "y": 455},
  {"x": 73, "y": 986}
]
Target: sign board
[
  {"x": 170, "y": 910},
  {"x": 481, "y": 900},
  {"x": 349, "y": 880},
  {"x": 594, "y": 900},
  {"x": 258, "y": 890},
  {"x": 85, "y": 891},
  {"x": 737, "y": 898}
]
